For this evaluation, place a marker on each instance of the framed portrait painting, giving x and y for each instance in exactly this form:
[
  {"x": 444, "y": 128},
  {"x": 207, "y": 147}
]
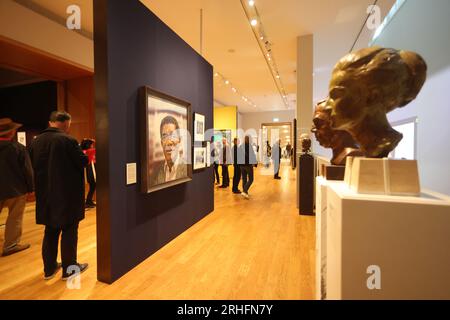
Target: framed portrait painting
[
  {"x": 166, "y": 140},
  {"x": 199, "y": 127}
]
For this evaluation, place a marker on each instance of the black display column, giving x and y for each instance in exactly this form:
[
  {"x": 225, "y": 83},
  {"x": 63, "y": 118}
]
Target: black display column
[
  {"x": 306, "y": 184},
  {"x": 134, "y": 48}
]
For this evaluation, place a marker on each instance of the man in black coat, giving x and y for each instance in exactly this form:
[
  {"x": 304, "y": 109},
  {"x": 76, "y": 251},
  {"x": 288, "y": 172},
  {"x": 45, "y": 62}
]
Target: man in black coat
[
  {"x": 247, "y": 160},
  {"x": 16, "y": 176},
  {"x": 236, "y": 167},
  {"x": 58, "y": 164}
]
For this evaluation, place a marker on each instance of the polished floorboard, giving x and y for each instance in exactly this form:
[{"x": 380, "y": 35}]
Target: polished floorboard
[{"x": 246, "y": 249}]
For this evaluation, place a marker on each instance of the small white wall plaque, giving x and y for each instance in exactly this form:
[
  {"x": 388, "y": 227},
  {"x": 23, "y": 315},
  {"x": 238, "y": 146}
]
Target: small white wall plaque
[{"x": 22, "y": 138}]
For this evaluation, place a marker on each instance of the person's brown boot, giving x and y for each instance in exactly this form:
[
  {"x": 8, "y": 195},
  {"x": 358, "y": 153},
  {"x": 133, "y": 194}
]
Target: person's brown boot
[{"x": 15, "y": 249}]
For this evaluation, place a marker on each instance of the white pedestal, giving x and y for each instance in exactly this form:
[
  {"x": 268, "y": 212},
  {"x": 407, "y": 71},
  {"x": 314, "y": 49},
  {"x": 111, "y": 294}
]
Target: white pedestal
[
  {"x": 321, "y": 236},
  {"x": 407, "y": 237}
]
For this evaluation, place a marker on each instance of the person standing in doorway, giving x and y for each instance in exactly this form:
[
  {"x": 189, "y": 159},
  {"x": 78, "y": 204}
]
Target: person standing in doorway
[
  {"x": 88, "y": 147},
  {"x": 225, "y": 158},
  {"x": 58, "y": 163},
  {"x": 236, "y": 167},
  {"x": 247, "y": 159},
  {"x": 267, "y": 154},
  {"x": 276, "y": 157},
  {"x": 16, "y": 182}
]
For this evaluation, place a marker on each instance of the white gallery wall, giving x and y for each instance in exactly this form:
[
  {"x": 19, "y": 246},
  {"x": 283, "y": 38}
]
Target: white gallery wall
[
  {"x": 424, "y": 27},
  {"x": 254, "y": 120}
]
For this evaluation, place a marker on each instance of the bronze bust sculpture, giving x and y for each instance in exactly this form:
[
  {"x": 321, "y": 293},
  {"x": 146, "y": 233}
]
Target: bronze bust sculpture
[
  {"x": 340, "y": 141},
  {"x": 365, "y": 86},
  {"x": 306, "y": 143}
]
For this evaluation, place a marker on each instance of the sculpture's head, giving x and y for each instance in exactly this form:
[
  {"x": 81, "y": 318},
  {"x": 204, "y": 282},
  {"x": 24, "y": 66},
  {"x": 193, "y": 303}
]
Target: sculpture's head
[
  {"x": 372, "y": 82},
  {"x": 306, "y": 143},
  {"x": 324, "y": 132},
  {"x": 322, "y": 125}
]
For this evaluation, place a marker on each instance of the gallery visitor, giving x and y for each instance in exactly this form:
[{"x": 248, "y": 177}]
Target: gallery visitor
[
  {"x": 276, "y": 157},
  {"x": 225, "y": 160},
  {"x": 247, "y": 158},
  {"x": 58, "y": 164},
  {"x": 267, "y": 154},
  {"x": 215, "y": 159},
  {"x": 236, "y": 167},
  {"x": 88, "y": 147},
  {"x": 16, "y": 182}
]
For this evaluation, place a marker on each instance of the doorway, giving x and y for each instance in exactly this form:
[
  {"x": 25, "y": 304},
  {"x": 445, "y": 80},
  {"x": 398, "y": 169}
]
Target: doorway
[{"x": 271, "y": 132}]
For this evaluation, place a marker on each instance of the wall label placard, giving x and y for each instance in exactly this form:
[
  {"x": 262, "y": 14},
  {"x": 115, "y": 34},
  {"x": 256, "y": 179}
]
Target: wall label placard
[{"x": 131, "y": 173}]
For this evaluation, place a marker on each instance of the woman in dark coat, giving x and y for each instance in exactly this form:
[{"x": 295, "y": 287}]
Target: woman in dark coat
[{"x": 58, "y": 164}]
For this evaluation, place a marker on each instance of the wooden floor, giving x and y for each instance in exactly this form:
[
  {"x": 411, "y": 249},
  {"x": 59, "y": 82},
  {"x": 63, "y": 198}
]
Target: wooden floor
[{"x": 246, "y": 249}]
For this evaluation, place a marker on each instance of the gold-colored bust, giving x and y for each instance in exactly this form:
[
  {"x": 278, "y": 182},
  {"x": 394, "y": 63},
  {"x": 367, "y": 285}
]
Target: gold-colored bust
[
  {"x": 365, "y": 86},
  {"x": 340, "y": 141}
]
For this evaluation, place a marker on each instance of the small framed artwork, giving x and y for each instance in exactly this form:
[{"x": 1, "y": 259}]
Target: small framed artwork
[
  {"x": 165, "y": 140},
  {"x": 199, "y": 127},
  {"x": 208, "y": 154},
  {"x": 199, "y": 158}
]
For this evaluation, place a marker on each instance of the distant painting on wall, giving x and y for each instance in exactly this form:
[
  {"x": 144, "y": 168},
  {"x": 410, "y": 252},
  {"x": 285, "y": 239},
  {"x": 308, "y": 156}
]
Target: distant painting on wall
[
  {"x": 165, "y": 147},
  {"x": 199, "y": 127},
  {"x": 199, "y": 158},
  {"x": 220, "y": 134}
]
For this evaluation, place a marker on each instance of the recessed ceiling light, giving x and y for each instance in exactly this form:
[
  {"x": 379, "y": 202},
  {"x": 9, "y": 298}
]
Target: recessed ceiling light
[
  {"x": 276, "y": 120},
  {"x": 234, "y": 89},
  {"x": 227, "y": 82},
  {"x": 251, "y": 3},
  {"x": 254, "y": 22},
  {"x": 278, "y": 76},
  {"x": 216, "y": 74}
]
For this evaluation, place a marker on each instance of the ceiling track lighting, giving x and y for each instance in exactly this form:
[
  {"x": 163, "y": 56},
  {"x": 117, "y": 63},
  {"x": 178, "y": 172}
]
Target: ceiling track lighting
[
  {"x": 227, "y": 82},
  {"x": 253, "y": 16}
]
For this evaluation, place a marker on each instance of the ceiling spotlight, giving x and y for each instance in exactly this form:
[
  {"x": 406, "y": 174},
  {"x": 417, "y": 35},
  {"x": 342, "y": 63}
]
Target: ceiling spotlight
[
  {"x": 254, "y": 22},
  {"x": 276, "y": 120},
  {"x": 251, "y": 3},
  {"x": 234, "y": 89},
  {"x": 227, "y": 82},
  {"x": 278, "y": 76},
  {"x": 261, "y": 38},
  {"x": 216, "y": 74}
]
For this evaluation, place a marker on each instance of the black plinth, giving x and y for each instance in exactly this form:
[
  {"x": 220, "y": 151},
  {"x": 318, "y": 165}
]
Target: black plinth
[
  {"x": 335, "y": 173},
  {"x": 306, "y": 184}
]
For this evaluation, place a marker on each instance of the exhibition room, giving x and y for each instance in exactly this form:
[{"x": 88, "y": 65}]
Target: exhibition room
[{"x": 224, "y": 150}]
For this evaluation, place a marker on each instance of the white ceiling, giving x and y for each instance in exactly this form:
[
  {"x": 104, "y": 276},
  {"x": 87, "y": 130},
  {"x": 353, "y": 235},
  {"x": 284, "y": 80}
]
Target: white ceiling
[
  {"x": 231, "y": 47},
  {"x": 334, "y": 23}
]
